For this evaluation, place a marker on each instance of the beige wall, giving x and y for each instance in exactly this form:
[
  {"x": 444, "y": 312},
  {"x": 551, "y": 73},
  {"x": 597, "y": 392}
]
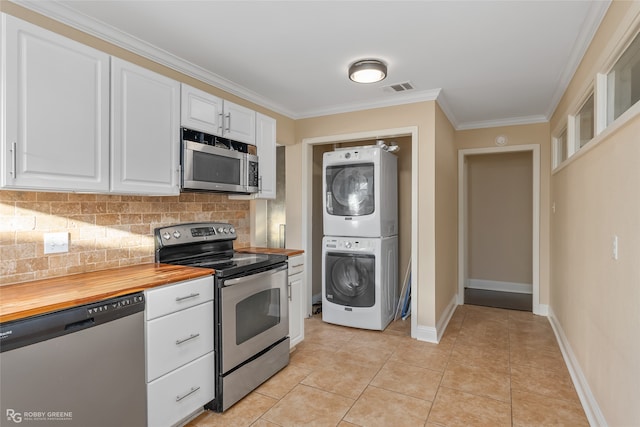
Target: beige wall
[
  {"x": 446, "y": 216},
  {"x": 105, "y": 231},
  {"x": 499, "y": 215},
  {"x": 538, "y": 134},
  {"x": 595, "y": 300}
]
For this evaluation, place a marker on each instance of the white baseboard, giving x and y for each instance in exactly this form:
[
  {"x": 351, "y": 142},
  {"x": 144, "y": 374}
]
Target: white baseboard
[
  {"x": 434, "y": 335},
  {"x": 540, "y": 309},
  {"x": 494, "y": 285},
  {"x": 589, "y": 403}
]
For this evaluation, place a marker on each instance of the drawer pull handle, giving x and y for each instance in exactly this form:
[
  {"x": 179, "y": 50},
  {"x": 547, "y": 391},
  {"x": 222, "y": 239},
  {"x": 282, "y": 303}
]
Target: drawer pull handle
[
  {"x": 178, "y": 299},
  {"x": 190, "y": 392},
  {"x": 192, "y": 336}
]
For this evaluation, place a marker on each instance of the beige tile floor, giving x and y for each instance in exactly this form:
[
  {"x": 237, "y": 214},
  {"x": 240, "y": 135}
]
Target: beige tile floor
[{"x": 493, "y": 367}]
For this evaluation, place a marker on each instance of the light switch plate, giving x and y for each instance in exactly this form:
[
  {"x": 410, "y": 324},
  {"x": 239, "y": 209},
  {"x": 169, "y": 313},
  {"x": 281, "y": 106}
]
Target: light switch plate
[{"x": 55, "y": 243}]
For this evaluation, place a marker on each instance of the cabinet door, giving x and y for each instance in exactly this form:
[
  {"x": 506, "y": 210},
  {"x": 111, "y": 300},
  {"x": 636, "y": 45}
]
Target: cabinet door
[
  {"x": 296, "y": 319},
  {"x": 201, "y": 111},
  {"x": 296, "y": 299},
  {"x": 266, "y": 143},
  {"x": 177, "y": 395},
  {"x": 145, "y": 136},
  {"x": 56, "y": 111},
  {"x": 239, "y": 123}
]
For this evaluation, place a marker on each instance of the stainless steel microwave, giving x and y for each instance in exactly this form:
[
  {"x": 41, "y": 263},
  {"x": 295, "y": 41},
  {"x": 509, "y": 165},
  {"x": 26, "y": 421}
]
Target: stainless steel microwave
[{"x": 209, "y": 167}]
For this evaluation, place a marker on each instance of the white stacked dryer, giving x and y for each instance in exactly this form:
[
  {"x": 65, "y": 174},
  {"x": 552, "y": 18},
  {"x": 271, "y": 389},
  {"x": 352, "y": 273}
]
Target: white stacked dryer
[
  {"x": 360, "y": 189},
  {"x": 360, "y": 244}
]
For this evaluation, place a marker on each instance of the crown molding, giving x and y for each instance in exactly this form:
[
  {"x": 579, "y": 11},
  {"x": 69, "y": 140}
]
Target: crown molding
[
  {"x": 587, "y": 32},
  {"x": 422, "y": 96},
  {"x": 64, "y": 14}
]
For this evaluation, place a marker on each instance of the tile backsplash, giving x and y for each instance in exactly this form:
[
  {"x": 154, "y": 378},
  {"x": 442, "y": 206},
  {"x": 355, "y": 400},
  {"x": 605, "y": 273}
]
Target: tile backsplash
[{"x": 105, "y": 231}]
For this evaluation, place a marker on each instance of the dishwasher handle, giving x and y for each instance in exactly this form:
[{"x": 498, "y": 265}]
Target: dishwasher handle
[{"x": 23, "y": 332}]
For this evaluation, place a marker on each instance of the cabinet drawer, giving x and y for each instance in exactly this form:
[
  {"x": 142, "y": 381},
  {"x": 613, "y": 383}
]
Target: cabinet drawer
[
  {"x": 175, "y": 396},
  {"x": 178, "y": 296},
  {"x": 178, "y": 338},
  {"x": 296, "y": 264}
]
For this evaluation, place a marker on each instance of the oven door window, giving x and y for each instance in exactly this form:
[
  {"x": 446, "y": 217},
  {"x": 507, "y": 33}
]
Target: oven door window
[
  {"x": 254, "y": 314},
  {"x": 216, "y": 169},
  {"x": 257, "y": 314},
  {"x": 350, "y": 190}
]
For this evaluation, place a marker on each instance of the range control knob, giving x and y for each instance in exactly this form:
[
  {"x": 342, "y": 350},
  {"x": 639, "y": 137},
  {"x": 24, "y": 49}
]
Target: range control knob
[
  {"x": 220, "y": 229},
  {"x": 176, "y": 234},
  {"x": 226, "y": 230},
  {"x": 166, "y": 235},
  {"x": 347, "y": 155},
  {"x": 348, "y": 245},
  {"x": 232, "y": 230}
]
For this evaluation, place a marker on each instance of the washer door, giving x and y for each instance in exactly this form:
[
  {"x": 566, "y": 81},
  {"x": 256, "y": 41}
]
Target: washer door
[
  {"x": 350, "y": 190},
  {"x": 350, "y": 279}
]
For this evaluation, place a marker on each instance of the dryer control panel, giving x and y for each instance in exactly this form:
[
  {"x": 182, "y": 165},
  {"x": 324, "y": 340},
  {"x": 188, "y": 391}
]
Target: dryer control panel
[{"x": 350, "y": 244}]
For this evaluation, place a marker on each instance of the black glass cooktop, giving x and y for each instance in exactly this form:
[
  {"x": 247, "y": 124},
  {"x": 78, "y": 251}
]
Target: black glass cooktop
[{"x": 240, "y": 263}]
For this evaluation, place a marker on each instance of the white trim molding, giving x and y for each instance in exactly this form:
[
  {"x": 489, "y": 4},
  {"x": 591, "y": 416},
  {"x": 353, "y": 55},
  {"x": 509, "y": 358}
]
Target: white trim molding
[
  {"x": 588, "y": 400},
  {"x": 494, "y": 285},
  {"x": 434, "y": 335}
]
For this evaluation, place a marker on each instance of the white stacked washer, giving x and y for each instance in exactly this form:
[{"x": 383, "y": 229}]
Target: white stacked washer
[
  {"x": 359, "y": 281},
  {"x": 360, "y": 245}
]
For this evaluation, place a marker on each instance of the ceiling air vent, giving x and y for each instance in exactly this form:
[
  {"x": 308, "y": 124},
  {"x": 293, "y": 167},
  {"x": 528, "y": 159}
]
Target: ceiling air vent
[{"x": 399, "y": 87}]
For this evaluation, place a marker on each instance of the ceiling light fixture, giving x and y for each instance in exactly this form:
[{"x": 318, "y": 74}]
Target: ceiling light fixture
[{"x": 367, "y": 71}]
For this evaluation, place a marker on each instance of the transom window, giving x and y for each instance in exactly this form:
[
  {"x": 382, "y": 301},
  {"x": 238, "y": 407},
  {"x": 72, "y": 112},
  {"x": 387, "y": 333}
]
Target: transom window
[{"x": 623, "y": 82}]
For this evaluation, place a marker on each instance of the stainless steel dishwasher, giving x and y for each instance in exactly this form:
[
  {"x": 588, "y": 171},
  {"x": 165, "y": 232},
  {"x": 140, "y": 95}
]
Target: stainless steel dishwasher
[{"x": 83, "y": 366}]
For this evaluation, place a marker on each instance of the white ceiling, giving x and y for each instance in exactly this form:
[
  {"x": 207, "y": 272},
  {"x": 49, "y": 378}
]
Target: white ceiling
[{"x": 488, "y": 63}]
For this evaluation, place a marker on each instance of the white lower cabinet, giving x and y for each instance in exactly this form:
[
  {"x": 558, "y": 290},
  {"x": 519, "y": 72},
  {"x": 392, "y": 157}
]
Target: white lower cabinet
[
  {"x": 296, "y": 298},
  {"x": 177, "y": 395},
  {"x": 179, "y": 346}
]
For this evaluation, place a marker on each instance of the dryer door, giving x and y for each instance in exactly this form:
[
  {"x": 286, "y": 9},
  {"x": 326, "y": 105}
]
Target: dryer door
[
  {"x": 349, "y": 189},
  {"x": 350, "y": 279}
]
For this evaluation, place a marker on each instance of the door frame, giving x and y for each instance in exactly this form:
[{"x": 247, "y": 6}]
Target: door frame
[
  {"x": 537, "y": 308},
  {"x": 307, "y": 202}
]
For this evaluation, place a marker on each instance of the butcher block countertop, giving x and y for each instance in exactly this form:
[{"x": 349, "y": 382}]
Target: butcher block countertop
[
  {"x": 274, "y": 251},
  {"x": 22, "y": 300}
]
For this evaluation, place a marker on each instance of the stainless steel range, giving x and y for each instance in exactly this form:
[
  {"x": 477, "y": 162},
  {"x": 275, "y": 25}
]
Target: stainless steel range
[{"x": 251, "y": 305}]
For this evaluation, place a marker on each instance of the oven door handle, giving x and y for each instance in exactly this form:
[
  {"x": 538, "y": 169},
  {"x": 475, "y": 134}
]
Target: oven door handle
[{"x": 235, "y": 281}]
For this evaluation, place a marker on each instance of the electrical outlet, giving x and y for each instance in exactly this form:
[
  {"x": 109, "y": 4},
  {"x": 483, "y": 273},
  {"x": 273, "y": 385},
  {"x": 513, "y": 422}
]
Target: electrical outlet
[{"x": 55, "y": 243}]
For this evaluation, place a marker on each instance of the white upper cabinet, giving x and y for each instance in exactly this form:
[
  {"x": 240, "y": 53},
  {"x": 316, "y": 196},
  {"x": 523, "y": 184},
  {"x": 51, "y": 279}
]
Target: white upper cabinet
[
  {"x": 145, "y": 131},
  {"x": 208, "y": 113},
  {"x": 201, "y": 111},
  {"x": 55, "y": 103},
  {"x": 239, "y": 123},
  {"x": 266, "y": 143}
]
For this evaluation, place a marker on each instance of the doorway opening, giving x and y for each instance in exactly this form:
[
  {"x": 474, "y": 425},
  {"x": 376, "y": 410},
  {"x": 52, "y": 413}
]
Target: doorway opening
[{"x": 498, "y": 222}]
